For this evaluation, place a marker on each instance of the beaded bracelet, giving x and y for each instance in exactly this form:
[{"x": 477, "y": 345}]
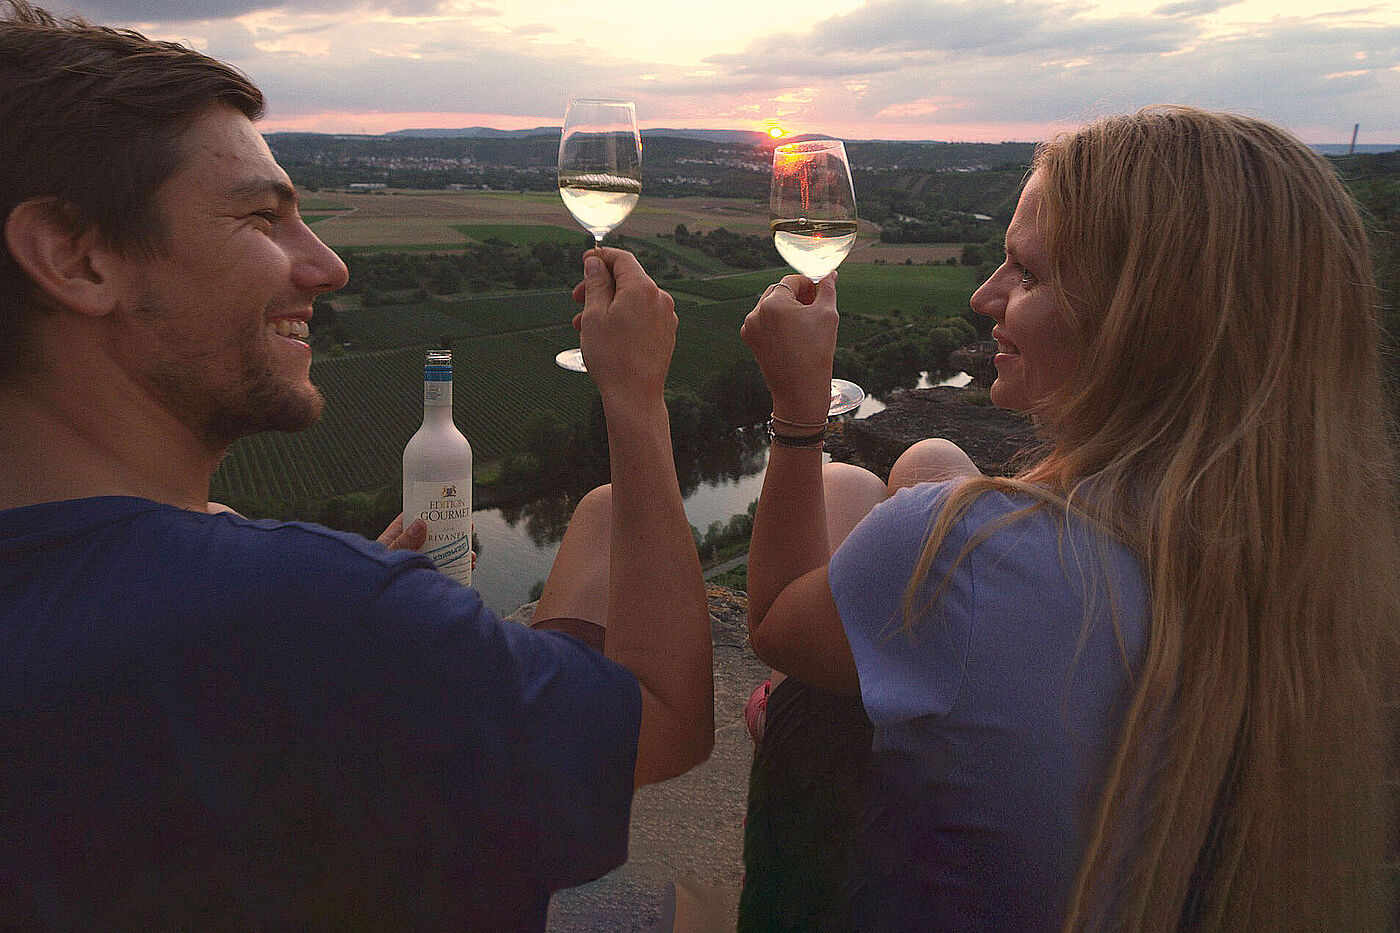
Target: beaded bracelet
[{"x": 804, "y": 441}]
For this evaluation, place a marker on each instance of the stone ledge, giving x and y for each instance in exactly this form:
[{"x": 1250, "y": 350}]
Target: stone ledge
[
  {"x": 687, "y": 834},
  {"x": 996, "y": 440}
]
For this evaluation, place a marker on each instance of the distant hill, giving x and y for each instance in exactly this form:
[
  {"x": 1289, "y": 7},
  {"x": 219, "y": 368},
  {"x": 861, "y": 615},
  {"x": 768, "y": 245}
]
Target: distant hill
[
  {"x": 1340, "y": 149},
  {"x": 754, "y": 138},
  {"x": 747, "y": 137},
  {"x": 473, "y": 132}
]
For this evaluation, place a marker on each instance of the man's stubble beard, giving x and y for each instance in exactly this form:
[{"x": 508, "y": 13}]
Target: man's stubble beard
[
  {"x": 258, "y": 400},
  {"x": 265, "y": 405}
]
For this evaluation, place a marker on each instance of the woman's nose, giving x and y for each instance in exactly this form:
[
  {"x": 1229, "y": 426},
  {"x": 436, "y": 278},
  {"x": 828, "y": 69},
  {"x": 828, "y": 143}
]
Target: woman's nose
[{"x": 988, "y": 299}]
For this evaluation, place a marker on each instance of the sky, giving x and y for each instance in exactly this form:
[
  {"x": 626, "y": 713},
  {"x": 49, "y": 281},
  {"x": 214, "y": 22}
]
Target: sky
[{"x": 962, "y": 70}]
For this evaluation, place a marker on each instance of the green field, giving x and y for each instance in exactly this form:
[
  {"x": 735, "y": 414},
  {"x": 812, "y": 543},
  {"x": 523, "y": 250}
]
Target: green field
[
  {"x": 689, "y": 255},
  {"x": 504, "y": 346},
  {"x": 374, "y": 403},
  {"x": 520, "y": 234},
  {"x": 879, "y": 290},
  {"x": 322, "y": 204},
  {"x": 862, "y": 288}
]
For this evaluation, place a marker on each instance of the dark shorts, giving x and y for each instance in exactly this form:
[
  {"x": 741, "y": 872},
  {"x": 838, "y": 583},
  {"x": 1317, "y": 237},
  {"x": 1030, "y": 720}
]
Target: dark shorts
[
  {"x": 590, "y": 633},
  {"x": 805, "y": 796}
]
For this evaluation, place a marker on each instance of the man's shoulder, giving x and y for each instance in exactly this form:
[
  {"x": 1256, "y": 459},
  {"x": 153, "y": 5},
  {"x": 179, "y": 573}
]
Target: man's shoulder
[
  {"x": 178, "y": 542},
  {"x": 300, "y": 542}
]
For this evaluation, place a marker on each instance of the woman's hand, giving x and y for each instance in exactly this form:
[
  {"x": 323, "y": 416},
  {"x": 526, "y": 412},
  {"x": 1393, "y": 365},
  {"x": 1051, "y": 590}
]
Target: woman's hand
[{"x": 792, "y": 333}]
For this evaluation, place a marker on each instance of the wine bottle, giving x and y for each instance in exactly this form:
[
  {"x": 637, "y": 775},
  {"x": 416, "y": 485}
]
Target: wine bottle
[{"x": 437, "y": 475}]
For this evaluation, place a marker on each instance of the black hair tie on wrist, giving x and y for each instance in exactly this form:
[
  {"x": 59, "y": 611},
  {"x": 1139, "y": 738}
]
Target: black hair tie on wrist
[{"x": 801, "y": 441}]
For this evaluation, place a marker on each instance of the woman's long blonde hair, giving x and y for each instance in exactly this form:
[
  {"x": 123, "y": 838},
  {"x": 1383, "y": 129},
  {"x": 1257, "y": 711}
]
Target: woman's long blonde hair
[{"x": 1230, "y": 419}]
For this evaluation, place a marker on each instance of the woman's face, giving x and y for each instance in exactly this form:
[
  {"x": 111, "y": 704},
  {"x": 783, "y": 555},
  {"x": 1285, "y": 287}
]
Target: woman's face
[{"x": 1036, "y": 351}]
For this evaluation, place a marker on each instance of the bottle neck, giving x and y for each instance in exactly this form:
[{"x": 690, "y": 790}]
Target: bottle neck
[{"x": 437, "y": 400}]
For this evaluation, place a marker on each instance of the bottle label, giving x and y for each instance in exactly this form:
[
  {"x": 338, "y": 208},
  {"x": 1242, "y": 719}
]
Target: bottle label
[
  {"x": 437, "y": 394},
  {"x": 446, "y": 508}
]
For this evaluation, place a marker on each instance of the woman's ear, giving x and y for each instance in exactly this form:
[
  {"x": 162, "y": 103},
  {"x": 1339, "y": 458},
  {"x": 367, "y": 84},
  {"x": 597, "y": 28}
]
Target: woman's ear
[{"x": 71, "y": 268}]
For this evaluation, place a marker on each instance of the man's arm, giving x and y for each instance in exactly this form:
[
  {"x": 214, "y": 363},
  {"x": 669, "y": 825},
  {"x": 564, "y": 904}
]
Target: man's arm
[{"x": 658, "y": 622}]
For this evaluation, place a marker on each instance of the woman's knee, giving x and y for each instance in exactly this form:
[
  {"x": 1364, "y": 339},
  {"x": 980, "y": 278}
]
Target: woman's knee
[
  {"x": 931, "y": 460},
  {"x": 850, "y": 493},
  {"x": 846, "y": 480}
]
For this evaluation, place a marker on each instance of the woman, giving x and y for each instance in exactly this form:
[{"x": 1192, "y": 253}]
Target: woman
[{"x": 1140, "y": 685}]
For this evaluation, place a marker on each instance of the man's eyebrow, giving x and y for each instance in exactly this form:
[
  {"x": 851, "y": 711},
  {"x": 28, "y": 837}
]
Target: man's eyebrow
[{"x": 259, "y": 186}]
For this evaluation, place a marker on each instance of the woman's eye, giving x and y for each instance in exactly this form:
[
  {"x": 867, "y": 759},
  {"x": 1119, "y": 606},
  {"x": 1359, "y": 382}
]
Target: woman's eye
[{"x": 1027, "y": 280}]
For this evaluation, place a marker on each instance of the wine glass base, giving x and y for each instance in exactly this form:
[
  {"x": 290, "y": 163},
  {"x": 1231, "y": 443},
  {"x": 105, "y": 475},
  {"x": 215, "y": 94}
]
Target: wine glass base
[
  {"x": 572, "y": 360},
  {"x": 845, "y": 396}
]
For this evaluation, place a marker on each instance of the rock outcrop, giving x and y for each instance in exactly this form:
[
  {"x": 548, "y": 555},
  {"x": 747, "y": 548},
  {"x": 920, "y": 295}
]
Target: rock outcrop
[
  {"x": 996, "y": 440},
  {"x": 687, "y": 834}
]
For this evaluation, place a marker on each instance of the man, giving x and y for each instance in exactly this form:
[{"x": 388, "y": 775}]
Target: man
[{"x": 211, "y": 723}]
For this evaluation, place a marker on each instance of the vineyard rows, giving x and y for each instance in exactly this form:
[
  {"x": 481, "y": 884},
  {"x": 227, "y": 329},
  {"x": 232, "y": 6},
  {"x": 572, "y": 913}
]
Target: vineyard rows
[
  {"x": 497, "y": 314},
  {"x": 748, "y": 286},
  {"x": 374, "y": 403},
  {"x": 504, "y": 349}
]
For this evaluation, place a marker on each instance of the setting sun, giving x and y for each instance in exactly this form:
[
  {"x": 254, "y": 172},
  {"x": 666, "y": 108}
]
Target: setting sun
[{"x": 776, "y": 132}]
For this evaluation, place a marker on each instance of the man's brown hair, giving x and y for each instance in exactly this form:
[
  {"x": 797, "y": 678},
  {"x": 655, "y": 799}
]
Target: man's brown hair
[{"x": 90, "y": 119}]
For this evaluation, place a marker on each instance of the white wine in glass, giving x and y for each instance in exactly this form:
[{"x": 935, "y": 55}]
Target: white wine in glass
[
  {"x": 812, "y": 204},
  {"x": 600, "y": 173}
]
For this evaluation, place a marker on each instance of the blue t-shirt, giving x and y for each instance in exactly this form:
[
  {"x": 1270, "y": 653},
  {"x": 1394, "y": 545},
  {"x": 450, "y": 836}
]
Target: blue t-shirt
[
  {"x": 210, "y": 723},
  {"x": 996, "y": 714}
]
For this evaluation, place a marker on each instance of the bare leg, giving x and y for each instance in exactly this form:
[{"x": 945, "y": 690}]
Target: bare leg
[
  {"x": 850, "y": 492},
  {"x": 577, "y": 587},
  {"x": 930, "y": 460}
]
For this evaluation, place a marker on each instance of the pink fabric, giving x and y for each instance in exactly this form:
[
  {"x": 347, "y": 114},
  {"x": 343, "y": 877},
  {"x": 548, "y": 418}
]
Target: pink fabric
[{"x": 756, "y": 711}]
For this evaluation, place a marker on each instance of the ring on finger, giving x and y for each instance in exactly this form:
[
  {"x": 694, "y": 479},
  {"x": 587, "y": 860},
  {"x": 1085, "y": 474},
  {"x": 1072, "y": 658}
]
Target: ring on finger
[{"x": 781, "y": 285}]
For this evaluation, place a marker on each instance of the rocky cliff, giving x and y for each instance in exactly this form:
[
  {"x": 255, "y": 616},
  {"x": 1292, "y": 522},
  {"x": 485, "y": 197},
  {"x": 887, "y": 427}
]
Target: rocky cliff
[{"x": 996, "y": 440}]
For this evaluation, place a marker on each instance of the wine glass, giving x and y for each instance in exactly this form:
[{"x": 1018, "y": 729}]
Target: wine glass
[
  {"x": 813, "y": 208},
  {"x": 600, "y": 173}
]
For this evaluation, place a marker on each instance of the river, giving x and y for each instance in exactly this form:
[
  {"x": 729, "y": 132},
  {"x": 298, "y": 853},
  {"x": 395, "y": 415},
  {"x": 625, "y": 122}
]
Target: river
[{"x": 512, "y": 559}]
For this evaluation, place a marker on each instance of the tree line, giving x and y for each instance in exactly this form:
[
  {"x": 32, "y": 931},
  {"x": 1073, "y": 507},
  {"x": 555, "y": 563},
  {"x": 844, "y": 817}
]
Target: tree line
[{"x": 383, "y": 277}]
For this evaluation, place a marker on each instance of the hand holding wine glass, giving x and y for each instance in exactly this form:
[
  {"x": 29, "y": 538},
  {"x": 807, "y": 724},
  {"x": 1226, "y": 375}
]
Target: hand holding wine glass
[
  {"x": 813, "y": 209},
  {"x": 791, "y": 332},
  {"x": 600, "y": 173}
]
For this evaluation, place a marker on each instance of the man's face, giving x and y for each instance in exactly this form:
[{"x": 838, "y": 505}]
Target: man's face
[{"x": 216, "y": 324}]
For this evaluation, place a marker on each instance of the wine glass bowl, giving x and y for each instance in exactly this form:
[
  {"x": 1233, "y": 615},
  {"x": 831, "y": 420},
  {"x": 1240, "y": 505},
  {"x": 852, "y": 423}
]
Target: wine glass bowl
[
  {"x": 812, "y": 205},
  {"x": 600, "y": 173},
  {"x": 599, "y": 201}
]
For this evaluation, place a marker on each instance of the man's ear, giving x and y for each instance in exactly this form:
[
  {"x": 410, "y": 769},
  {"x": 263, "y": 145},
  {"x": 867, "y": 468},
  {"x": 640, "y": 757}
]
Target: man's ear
[{"x": 71, "y": 268}]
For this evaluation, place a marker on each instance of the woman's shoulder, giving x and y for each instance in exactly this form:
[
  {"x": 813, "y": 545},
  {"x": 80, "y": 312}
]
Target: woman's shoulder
[
  {"x": 1011, "y": 521},
  {"x": 978, "y": 505}
]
